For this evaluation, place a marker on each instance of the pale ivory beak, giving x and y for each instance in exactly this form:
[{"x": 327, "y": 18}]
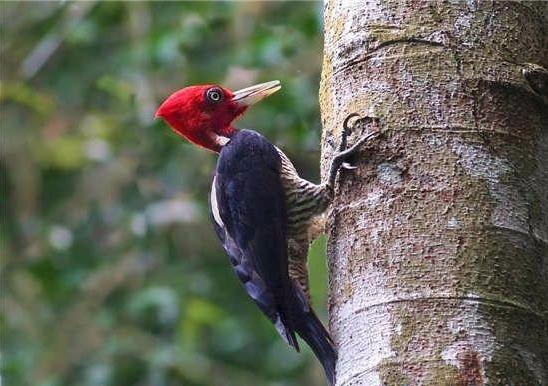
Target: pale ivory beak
[{"x": 251, "y": 95}]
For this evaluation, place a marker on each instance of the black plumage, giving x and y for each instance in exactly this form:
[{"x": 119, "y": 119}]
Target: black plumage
[{"x": 250, "y": 218}]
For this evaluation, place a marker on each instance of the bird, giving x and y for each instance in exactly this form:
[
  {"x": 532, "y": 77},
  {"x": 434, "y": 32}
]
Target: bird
[{"x": 261, "y": 209}]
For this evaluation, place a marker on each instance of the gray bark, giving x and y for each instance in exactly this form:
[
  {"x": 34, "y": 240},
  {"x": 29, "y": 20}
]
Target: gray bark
[{"x": 438, "y": 242}]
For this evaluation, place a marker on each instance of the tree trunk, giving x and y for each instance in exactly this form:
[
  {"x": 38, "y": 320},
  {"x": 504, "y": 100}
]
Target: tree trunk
[{"x": 438, "y": 242}]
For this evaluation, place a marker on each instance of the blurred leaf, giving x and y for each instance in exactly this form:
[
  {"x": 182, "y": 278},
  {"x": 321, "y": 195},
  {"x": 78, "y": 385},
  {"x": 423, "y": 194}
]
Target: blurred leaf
[
  {"x": 156, "y": 307},
  {"x": 65, "y": 152},
  {"x": 113, "y": 274},
  {"x": 84, "y": 33},
  {"x": 203, "y": 312},
  {"x": 115, "y": 87},
  {"x": 21, "y": 93}
]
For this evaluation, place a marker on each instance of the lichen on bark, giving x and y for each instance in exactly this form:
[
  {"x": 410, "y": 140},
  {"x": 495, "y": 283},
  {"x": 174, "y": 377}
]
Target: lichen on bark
[{"x": 438, "y": 242}]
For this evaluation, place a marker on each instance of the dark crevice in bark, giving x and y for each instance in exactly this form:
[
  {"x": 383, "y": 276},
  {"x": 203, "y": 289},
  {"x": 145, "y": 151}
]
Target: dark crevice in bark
[
  {"x": 476, "y": 300},
  {"x": 369, "y": 53}
]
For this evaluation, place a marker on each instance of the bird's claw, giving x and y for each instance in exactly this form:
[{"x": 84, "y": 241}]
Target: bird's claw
[
  {"x": 346, "y": 127},
  {"x": 341, "y": 157},
  {"x": 345, "y": 152},
  {"x": 347, "y": 166},
  {"x": 346, "y": 130}
]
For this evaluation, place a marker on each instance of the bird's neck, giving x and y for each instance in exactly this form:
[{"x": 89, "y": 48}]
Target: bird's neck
[{"x": 221, "y": 138}]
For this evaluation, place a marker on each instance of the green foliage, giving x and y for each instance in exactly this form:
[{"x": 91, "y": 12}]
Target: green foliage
[{"x": 111, "y": 273}]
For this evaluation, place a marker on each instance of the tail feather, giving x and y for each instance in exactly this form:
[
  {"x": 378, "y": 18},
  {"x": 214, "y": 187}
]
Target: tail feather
[
  {"x": 311, "y": 329},
  {"x": 286, "y": 333}
]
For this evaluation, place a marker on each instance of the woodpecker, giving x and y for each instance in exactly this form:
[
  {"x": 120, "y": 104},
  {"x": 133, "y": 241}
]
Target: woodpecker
[{"x": 261, "y": 209}]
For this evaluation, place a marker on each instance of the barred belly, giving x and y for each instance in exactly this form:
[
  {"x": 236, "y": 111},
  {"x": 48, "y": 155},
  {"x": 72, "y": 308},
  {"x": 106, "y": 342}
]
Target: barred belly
[{"x": 305, "y": 201}]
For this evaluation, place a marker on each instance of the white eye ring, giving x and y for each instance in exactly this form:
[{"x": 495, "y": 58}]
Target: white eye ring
[{"x": 214, "y": 95}]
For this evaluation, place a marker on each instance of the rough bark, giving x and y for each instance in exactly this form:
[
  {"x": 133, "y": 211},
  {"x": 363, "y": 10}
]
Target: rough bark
[{"x": 438, "y": 242}]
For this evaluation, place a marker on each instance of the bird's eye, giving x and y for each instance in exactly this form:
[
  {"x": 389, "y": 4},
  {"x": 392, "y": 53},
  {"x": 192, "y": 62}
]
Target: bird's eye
[{"x": 214, "y": 95}]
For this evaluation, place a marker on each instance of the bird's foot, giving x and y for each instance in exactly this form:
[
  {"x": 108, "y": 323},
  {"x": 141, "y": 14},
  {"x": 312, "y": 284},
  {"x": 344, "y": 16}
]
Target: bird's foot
[
  {"x": 341, "y": 158},
  {"x": 345, "y": 153}
]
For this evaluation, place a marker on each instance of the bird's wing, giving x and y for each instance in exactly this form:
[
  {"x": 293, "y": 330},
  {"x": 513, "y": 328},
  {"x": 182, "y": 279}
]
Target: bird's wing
[{"x": 248, "y": 211}]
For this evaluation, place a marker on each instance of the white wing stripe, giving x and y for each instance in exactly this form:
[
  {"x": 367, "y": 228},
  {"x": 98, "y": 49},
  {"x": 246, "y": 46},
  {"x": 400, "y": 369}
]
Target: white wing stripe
[{"x": 214, "y": 206}]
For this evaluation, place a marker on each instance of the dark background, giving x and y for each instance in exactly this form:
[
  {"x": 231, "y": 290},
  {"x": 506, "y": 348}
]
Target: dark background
[{"x": 111, "y": 272}]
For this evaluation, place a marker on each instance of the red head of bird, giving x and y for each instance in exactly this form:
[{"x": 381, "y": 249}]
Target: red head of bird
[{"x": 204, "y": 114}]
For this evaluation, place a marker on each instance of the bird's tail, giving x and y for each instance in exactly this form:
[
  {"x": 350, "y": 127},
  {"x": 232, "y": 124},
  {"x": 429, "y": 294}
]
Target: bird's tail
[{"x": 311, "y": 329}]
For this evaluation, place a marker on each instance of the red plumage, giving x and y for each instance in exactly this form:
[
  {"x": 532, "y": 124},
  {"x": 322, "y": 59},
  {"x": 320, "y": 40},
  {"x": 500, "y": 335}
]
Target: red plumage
[{"x": 191, "y": 115}]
